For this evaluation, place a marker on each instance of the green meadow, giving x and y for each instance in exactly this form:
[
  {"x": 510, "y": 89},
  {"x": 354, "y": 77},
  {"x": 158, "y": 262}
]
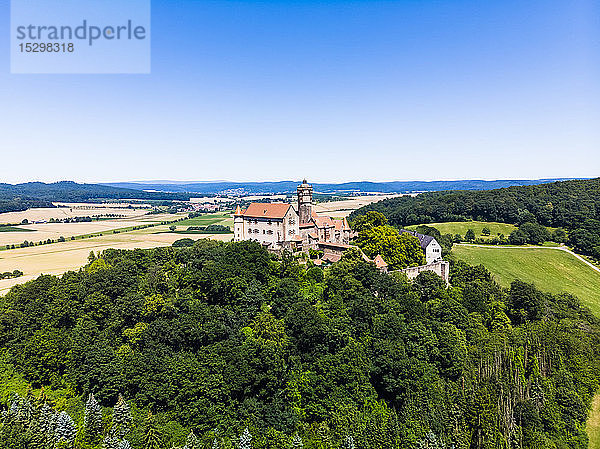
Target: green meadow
[
  {"x": 549, "y": 269},
  {"x": 204, "y": 220},
  {"x": 461, "y": 227}
]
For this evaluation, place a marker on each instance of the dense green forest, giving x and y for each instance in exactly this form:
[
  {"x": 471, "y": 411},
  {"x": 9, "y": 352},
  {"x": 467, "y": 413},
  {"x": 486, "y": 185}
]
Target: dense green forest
[
  {"x": 20, "y": 197},
  {"x": 572, "y": 205},
  {"x": 250, "y": 351}
]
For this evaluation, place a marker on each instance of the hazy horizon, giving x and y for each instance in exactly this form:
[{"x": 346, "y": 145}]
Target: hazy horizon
[{"x": 310, "y": 181}]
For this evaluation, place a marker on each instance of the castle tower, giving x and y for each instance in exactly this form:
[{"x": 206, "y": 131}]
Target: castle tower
[
  {"x": 305, "y": 191},
  {"x": 238, "y": 225}
]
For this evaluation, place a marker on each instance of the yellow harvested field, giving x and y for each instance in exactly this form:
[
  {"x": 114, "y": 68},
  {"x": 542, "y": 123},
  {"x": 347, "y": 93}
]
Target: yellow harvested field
[
  {"x": 56, "y": 258},
  {"x": 343, "y": 208},
  {"x": 71, "y": 255},
  {"x": 73, "y": 210},
  {"x": 44, "y": 231}
]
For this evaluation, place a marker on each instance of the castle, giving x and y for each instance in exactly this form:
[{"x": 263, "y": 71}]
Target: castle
[{"x": 281, "y": 226}]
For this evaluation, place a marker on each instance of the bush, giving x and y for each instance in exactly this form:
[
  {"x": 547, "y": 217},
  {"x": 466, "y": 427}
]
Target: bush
[{"x": 183, "y": 243}]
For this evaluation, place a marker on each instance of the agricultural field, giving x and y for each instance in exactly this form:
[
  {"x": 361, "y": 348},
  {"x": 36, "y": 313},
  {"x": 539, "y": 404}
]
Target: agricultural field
[
  {"x": 222, "y": 218},
  {"x": 57, "y": 258},
  {"x": 343, "y": 208},
  {"x": 44, "y": 231},
  {"x": 12, "y": 229},
  {"x": 461, "y": 227},
  {"x": 552, "y": 270},
  {"x": 68, "y": 210},
  {"x": 123, "y": 217}
]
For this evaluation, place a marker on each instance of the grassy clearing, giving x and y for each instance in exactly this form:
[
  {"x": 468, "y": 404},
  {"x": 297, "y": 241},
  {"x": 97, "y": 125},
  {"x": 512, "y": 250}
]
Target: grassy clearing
[
  {"x": 461, "y": 227},
  {"x": 593, "y": 424},
  {"x": 205, "y": 220},
  {"x": 549, "y": 269}
]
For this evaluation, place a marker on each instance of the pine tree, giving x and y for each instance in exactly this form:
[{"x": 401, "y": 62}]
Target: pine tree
[
  {"x": 111, "y": 442},
  {"x": 121, "y": 418},
  {"x": 192, "y": 441},
  {"x": 92, "y": 420},
  {"x": 430, "y": 441},
  {"x": 124, "y": 445},
  {"x": 245, "y": 440},
  {"x": 152, "y": 437},
  {"x": 349, "y": 442},
  {"x": 297, "y": 442},
  {"x": 51, "y": 425},
  {"x": 65, "y": 429}
]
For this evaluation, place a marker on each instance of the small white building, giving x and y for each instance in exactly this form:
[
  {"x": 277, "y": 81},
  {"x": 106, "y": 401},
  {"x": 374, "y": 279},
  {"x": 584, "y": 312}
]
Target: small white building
[{"x": 430, "y": 246}]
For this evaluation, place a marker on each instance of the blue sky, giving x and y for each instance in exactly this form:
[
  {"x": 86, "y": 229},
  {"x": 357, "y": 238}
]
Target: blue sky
[{"x": 332, "y": 91}]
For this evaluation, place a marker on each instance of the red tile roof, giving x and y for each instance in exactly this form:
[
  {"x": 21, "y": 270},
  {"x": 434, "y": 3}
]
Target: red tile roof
[
  {"x": 267, "y": 210},
  {"x": 379, "y": 262},
  {"x": 324, "y": 222}
]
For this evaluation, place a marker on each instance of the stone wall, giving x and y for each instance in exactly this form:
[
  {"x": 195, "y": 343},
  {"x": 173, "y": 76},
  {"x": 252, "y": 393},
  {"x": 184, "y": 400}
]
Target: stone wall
[{"x": 441, "y": 268}]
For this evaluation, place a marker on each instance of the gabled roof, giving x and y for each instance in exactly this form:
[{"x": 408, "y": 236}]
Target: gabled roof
[
  {"x": 424, "y": 240},
  {"x": 379, "y": 262},
  {"x": 267, "y": 210},
  {"x": 341, "y": 224},
  {"x": 323, "y": 222}
]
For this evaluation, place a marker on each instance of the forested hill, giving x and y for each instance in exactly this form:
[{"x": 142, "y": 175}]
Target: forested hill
[
  {"x": 573, "y": 205},
  {"x": 344, "y": 187},
  {"x": 220, "y": 337},
  {"x": 15, "y": 197}
]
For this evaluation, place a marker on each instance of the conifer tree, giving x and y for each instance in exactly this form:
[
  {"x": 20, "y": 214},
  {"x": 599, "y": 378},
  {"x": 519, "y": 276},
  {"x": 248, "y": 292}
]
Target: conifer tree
[
  {"x": 349, "y": 442},
  {"x": 297, "y": 442},
  {"x": 124, "y": 445},
  {"x": 152, "y": 436},
  {"x": 65, "y": 430},
  {"x": 245, "y": 440},
  {"x": 92, "y": 420},
  {"x": 52, "y": 419},
  {"x": 430, "y": 441},
  {"x": 111, "y": 442},
  {"x": 121, "y": 418},
  {"x": 192, "y": 441}
]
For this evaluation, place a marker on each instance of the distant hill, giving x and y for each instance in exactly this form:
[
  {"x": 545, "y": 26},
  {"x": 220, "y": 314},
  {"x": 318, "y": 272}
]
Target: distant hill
[
  {"x": 279, "y": 187},
  {"x": 573, "y": 205},
  {"x": 17, "y": 197}
]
